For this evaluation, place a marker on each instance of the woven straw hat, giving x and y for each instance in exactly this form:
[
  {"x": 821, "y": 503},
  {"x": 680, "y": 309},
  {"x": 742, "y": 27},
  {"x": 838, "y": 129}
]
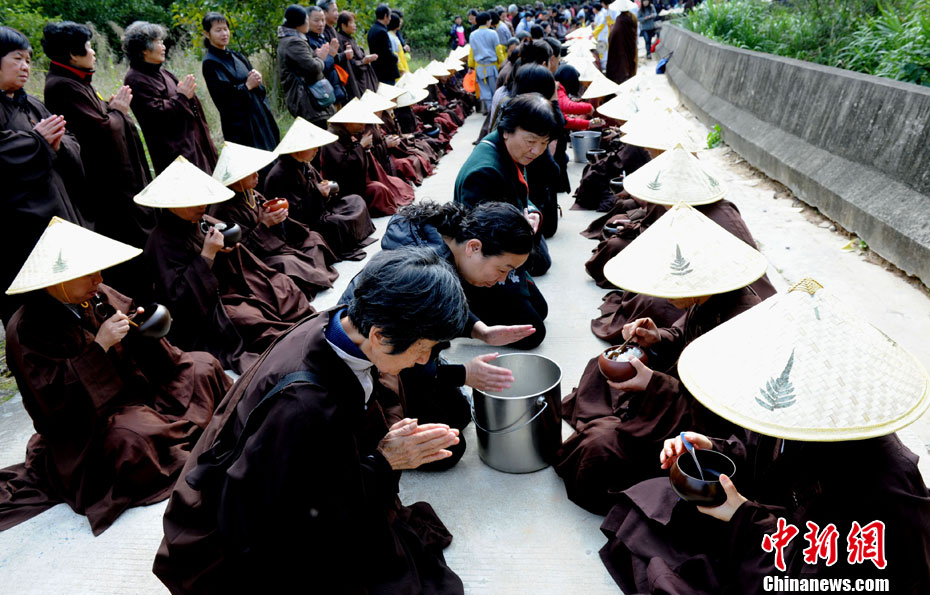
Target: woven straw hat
[
  {"x": 238, "y": 161},
  {"x": 303, "y": 136},
  {"x": 622, "y": 6},
  {"x": 803, "y": 366},
  {"x": 672, "y": 177},
  {"x": 355, "y": 112},
  {"x": 409, "y": 81},
  {"x": 424, "y": 78},
  {"x": 657, "y": 130},
  {"x": 453, "y": 65},
  {"x": 601, "y": 86},
  {"x": 375, "y": 102},
  {"x": 684, "y": 254},
  {"x": 623, "y": 107},
  {"x": 436, "y": 68},
  {"x": 66, "y": 251},
  {"x": 581, "y": 32},
  {"x": 182, "y": 185},
  {"x": 461, "y": 52},
  {"x": 412, "y": 96},
  {"x": 389, "y": 91}
]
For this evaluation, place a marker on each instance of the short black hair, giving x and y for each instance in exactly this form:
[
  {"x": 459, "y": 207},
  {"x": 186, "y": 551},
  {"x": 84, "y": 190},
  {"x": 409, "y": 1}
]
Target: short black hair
[
  {"x": 537, "y": 52},
  {"x": 533, "y": 78},
  {"x": 536, "y": 32},
  {"x": 472, "y": 12},
  {"x": 345, "y": 17},
  {"x": 495, "y": 17},
  {"x": 382, "y": 11},
  {"x": 313, "y": 8},
  {"x": 12, "y": 40},
  {"x": 295, "y": 16},
  {"x": 554, "y": 44},
  {"x": 61, "y": 40},
  {"x": 531, "y": 112},
  {"x": 325, "y": 4},
  {"x": 482, "y": 18},
  {"x": 409, "y": 294},
  {"x": 394, "y": 23},
  {"x": 212, "y": 17},
  {"x": 569, "y": 76},
  {"x": 499, "y": 226}
]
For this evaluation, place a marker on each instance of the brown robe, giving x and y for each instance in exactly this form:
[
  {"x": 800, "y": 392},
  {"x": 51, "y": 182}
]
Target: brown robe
[
  {"x": 411, "y": 144},
  {"x": 299, "y": 253},
  {"x": 341, "y": 218},
  {"x": 621, "y": 49},
  {"x": 620, "y": 307},
  {"x": 309, "y": 497},
  {"x": 618, "y": 434},
  {"x": 172, "y": 124},
  {"x": 37, "y": 183},
  {"x": 593, "y": 191},
  {"x": 658, "y": 543},
  {"x": 234, "y": 309},
  {"x": 361, "y": 76},
  {"x": 404, "y": 167},
  {"x": 113, "y": 428}
]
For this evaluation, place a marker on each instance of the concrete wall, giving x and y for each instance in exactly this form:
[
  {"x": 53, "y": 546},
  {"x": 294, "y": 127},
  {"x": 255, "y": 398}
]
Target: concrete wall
[{"x": 855, "y": 146}]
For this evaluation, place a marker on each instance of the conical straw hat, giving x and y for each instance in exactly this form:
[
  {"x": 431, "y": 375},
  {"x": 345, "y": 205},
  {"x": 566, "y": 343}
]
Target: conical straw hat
[
  {"x": 303, "y": 136},
  {"x": 580, "y": 33},
  {"x": 623, "y": 107},
  {"x": 409, "y": 81},
  {"x": 182, "y": 185},
  {"x": 622, "y": 6},
  {"x": 355, "y": 112},
  {"x": 663, "y": 131},
  {"x": 435, "y": 68},
  {"x": 412, "y": 96},
  {"x": 601, "y": 86},
  {"x": 453, "y": 65},
  {"x": 375, "y": 102},
  {"x": 389, "y": 91},
  {"x": 238, "y": 161},
  {"x": 672, "y": 177},
  {"x": 66, "y": 251},
  {"x": 424, "y": 77},
  {"x": 684, "y": 254},
  {"x": 802, "y": 365}
]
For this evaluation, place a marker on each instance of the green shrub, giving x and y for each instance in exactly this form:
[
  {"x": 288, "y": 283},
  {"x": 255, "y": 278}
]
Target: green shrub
[{"x": 26, "y": 16}]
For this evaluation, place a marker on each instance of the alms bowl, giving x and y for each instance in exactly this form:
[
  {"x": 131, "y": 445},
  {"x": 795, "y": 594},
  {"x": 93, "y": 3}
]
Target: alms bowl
[
  {"x": 154, "y": 321},
  {"x": 276, "y": 204},
  {"x": 687, "y": 482},
  {"x": 594, "y": 154},
  {"x": 614, "y": 362}
]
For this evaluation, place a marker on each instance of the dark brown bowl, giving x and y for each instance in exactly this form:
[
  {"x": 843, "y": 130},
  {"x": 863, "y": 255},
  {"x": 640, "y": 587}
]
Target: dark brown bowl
[
  {"x": 687, "y": 482},
  {"x": 276, "y": 204},
  {"x": 333, "y": 188},
  {"x": 620, "y": 371},
  {"x": 594, "y": 154},
  {"x": 231, "y": 233},
  {"x": 154, "y": 321},
  {"x": 616, "y": 185}
]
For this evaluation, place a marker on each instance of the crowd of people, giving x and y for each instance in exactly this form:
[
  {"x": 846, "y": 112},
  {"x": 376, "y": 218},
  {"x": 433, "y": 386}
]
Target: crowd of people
[{"x": 293, "y": 469}]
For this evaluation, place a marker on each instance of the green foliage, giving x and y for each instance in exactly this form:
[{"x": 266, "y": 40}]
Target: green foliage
[
  {"x": 26, "y": 17},
  {"x": 714, "y": 139},
  {"x": 889, "y": 38},
  {"x": 104, "y": 14}
]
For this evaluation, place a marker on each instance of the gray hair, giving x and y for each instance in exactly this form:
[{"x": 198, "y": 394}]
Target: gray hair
[{"x": 141, "y": 36}]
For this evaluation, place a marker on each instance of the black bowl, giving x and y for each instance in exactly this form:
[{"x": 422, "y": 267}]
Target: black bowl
[
  {"x": 154, "y": 321},
  {"x": 594, "y": 154},
  {"x": 687, "y": 482},
  {"x": 616, "y": 185},
  {"x": 231, "y": 233}
]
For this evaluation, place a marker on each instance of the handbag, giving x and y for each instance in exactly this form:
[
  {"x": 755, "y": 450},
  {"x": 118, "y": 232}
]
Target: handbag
[
  {"x": 470, "y": 81},
  {"x": 322, "y": 94},
  {"x": 343, "y": 75}
]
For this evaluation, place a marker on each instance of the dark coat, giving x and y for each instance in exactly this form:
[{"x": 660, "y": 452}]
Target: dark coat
[
  {"x": 490, "y": 173},
  {"x": 36, "y": 188},
  {"x": 309, "y": 497},
  {"x": 299, "y": 68},
  {"x": 113, "y": 427},
  {"x": 361, "y": 76},
  {"x": 245, "y": 115},
  {"x": 379, "y": 42},
  {"x": 172, "y": 124},
  {"x": 621, "y": 49}
]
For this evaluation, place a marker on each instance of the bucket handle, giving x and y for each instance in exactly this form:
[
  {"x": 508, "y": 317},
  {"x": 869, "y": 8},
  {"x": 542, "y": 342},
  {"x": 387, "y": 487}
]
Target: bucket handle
[{"x": 540, "y": 401}]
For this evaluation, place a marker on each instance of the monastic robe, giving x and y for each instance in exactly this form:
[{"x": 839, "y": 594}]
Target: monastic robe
[
  {"x": 113, "y": 428},
  {"x": 234, "y": 309},
  {"x": 361, "y": 76},
  {"x": 310, "y": 501},
  {"x": 621, "y": 49},
  {"x": 341, "y": 218}
]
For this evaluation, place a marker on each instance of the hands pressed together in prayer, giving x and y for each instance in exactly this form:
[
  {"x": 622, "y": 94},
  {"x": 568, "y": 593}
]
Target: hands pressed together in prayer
[
  {"x": 408, "y": 445},
  {"x": 392, "y": 141},
  {"x": 121, "y": 99},
  {"x": 674, "y": 448},
  {"x": 52, "y": 129},
  {"x": 350, "y": 53},
  {"x": 366, "y": 140},
  {"x": 369, "y": 58},
  {"x": 533, "y": 218},
  {"x": 187, "y": 85},
  {"x": 254, "y": 80},
  {"x": 114, "y": 329},
  {"x": 322, "y": 52}
]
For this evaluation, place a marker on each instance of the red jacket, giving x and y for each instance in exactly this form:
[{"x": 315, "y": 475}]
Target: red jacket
[{"x": 570, "y": 108}]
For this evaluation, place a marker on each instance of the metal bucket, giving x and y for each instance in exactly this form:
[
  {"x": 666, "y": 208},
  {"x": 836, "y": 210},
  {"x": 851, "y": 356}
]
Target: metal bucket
[
  {"x": 519, "y": 429},
  {"x": 582, "y": 142}
]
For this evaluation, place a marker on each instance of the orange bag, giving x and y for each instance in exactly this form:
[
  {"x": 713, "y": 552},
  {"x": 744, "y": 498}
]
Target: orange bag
[
  {"x": 343, "y": 75},
  {"x": 470, "y": 81}
]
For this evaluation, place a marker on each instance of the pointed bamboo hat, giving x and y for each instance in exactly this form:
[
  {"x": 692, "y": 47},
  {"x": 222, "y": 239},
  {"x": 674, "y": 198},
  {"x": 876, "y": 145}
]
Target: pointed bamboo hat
[
  {"x": 453, "y": 65},
  {"x": 622, "y": 6},
  {"x": 303, "y": 136},
  {"x": 238, "y": 161},
  {"x": 424, "y": 78},
  {"x": 672, "y": 177},
  {"x": 601, "y": 86},
  {"x": 581, "y": 32},
  {"x": 66, "y": 251},
  {"x": 802, "y": 365},
  {"x": 655, "y": 130},
  {"x": 409, "y": 81},
  {"x": 375, "y": 102},
  {"x": 623, "y": 107},
  {"x": 436, "y": 68},
  {"x": 182, "y": 185},
  {"x": 355, "y": 112},
  {"x": 412, "y": 96},
  {"x": 684, "y": 254},
  {"x": 389, "y": 91}
]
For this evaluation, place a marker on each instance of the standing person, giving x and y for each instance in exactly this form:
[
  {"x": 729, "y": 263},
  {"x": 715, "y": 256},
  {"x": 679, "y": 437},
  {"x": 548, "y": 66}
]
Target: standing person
[
  {"x": 623, "y": 49},
  {"x": 472, "y": 22},
  {"x": 40, "y": 159},
  {"x": 115, "y": 412},
  {"x": 170, "y": 114},
  {"x": 318, "y": 41},
  {"x": 111, "y": 149},
  {"x": 344, "y": 55},
  {"x": 457, "y": 33},
  {"x": 362, "y": 75},
  {"x": 237, "y": 89},
  {"x": 483, "y": 59},
  {"x": 503, "y": 32},
  {"x": 313, "y": 489},
  {"x": 647, "y": 25},
  {"x": 301, "y": 68},
  {"x": 397, "y": 44},
  {"x": 379, "y": 44}
]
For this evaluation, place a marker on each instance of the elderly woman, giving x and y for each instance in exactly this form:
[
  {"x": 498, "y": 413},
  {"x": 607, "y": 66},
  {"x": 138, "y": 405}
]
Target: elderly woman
[
  {"x": 237, "y": 89},
  {"x": 361, "y": 74},
  {"x": 171, "y": 116},
  {"x": 40, "y": 160},
  {"x": 317, "y": 40},
  {"x": 300, "y": 68},
  {"x": 116, "y": 412},
  {"x": 315, "y": 485}
]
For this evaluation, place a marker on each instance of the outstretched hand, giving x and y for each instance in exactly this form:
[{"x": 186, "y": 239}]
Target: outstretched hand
[
  {"x": 500, "y": 334},
  {"x": 485, "y": 377}
]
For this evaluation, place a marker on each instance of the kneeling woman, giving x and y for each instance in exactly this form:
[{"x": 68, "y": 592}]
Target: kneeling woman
[{"x": 116, "y": 413}]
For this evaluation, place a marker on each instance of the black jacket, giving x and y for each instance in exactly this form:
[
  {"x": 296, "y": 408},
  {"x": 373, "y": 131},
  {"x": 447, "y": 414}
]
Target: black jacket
[{"x": 380, "y": 43}]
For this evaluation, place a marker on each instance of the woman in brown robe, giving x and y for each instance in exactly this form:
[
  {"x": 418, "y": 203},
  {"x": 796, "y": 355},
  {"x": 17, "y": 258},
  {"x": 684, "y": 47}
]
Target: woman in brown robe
[
  {"x": 170, "y": 114},
  {"x": 622, "y": 49},
  {"x": 282, "y": 243},
  {"x": 116, "y": 413},
  {"x": 341, "y": 218},
  {"x": 361, "y": 74},
  {"x": 223, "y": 300}
]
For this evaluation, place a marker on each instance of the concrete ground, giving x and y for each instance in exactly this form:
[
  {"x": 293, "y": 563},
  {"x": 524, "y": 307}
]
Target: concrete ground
[{"x": 513, "y": 533}]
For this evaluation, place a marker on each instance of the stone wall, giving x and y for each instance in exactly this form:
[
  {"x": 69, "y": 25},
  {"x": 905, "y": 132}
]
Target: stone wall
[{"x": 855, "y": 146}]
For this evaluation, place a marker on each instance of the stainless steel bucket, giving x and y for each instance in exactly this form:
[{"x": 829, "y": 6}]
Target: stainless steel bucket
[
  {"x": 519, "y": 429},
  {"x": 584, "y": 141}
]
